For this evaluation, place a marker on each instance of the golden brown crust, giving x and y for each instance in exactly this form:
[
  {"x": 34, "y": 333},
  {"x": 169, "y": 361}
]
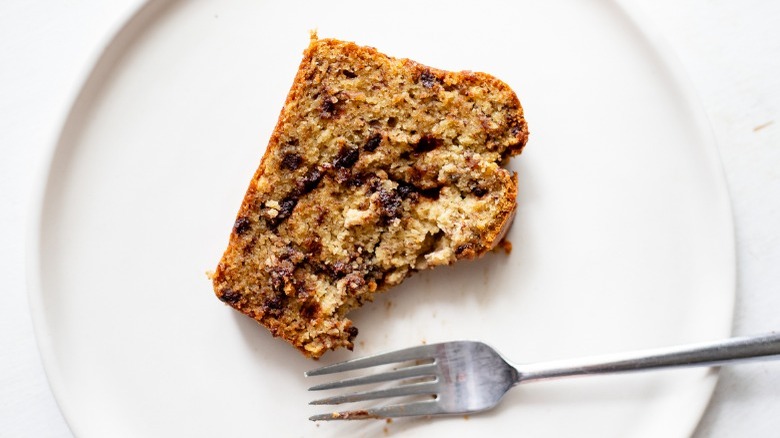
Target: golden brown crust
[{"x": 377, "y": 167}]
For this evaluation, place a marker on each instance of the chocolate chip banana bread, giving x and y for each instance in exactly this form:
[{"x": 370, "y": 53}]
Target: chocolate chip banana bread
[{"x": 378, "y": 167}]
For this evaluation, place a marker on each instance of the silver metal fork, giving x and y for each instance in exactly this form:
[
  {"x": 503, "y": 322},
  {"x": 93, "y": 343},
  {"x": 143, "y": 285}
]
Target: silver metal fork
[{"x": 465, "y": 377}]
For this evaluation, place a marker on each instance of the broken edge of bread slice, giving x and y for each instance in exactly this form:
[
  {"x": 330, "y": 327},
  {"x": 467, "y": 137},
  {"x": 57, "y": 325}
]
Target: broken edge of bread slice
[{"x": 378, "y": 167}]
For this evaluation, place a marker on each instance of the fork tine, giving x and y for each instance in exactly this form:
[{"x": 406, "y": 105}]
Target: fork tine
[
  {"x": 420, "y": 352},
  {"x": 400, "y": 391},
  {"x": 403, "y": 373},
  {"x": 401, "y": 410}
]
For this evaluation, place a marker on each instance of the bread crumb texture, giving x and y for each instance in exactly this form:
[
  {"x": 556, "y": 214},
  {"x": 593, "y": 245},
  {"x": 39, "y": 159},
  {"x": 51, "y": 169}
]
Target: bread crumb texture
[{"x": 378, "y": 167}]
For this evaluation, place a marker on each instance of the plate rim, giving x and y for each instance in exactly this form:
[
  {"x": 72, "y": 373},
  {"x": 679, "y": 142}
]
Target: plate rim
[
  {"x": 100, "y": 62},
  {"x": 113, "y": 47}
]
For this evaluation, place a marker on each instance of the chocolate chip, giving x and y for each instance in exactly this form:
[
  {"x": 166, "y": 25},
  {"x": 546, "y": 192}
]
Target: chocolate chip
[
  {"x": 479, "y": 191},
  {"x": 279, "y": 275},
  {"x": 250, "y": 246},
  {"x": 463, "y": 248},
  {"x": 356, "y": 181},
  {"x": 427, "y": 79},
  {"x": 310, "y": 309},
  {"x": 309, "y": 181},
  {"x": 349, "y": 74},
  {"x": 410, "y": 191},
  {"x": 337, "y": 270},
  {"x": 291, "y": 161},
  {"x": 352, "y": 331},
  {"x": 392, "y": 121},
  {"x": 331, "y": 105},
  {"x": 286, "y": 208},
  {"x": 432, "y": 193},
  {"x": 242, "y": 225},
  {"x": 347, "y": 157},
  {"x": 230, "y": 296},
  {"x": 405, "y": 189},
  {"x": 274, "y": 304},
  {"x": 390, "y": 206},
  {"x": 373, "y": 142},
  {"x": 427, "y": 143}
]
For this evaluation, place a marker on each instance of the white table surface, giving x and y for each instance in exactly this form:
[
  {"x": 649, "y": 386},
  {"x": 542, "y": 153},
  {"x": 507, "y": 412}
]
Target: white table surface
[{"x": 731, "y": 50}]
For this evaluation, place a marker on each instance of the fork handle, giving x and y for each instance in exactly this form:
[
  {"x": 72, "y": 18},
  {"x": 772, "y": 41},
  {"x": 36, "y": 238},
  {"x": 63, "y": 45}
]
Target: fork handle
[{"x": 727, "y": 351}]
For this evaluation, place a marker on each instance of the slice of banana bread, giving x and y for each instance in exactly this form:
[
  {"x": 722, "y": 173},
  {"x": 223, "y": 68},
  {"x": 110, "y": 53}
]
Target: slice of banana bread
[{"x": 378, "y": 167}]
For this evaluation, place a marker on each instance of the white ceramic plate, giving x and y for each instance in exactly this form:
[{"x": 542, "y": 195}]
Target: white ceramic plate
[{"x": 622, "y": 240}]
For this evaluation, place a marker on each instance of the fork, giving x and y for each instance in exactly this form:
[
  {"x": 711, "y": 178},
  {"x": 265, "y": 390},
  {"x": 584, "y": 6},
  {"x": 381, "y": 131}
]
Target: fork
[{"x": 465, "y": 377}]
